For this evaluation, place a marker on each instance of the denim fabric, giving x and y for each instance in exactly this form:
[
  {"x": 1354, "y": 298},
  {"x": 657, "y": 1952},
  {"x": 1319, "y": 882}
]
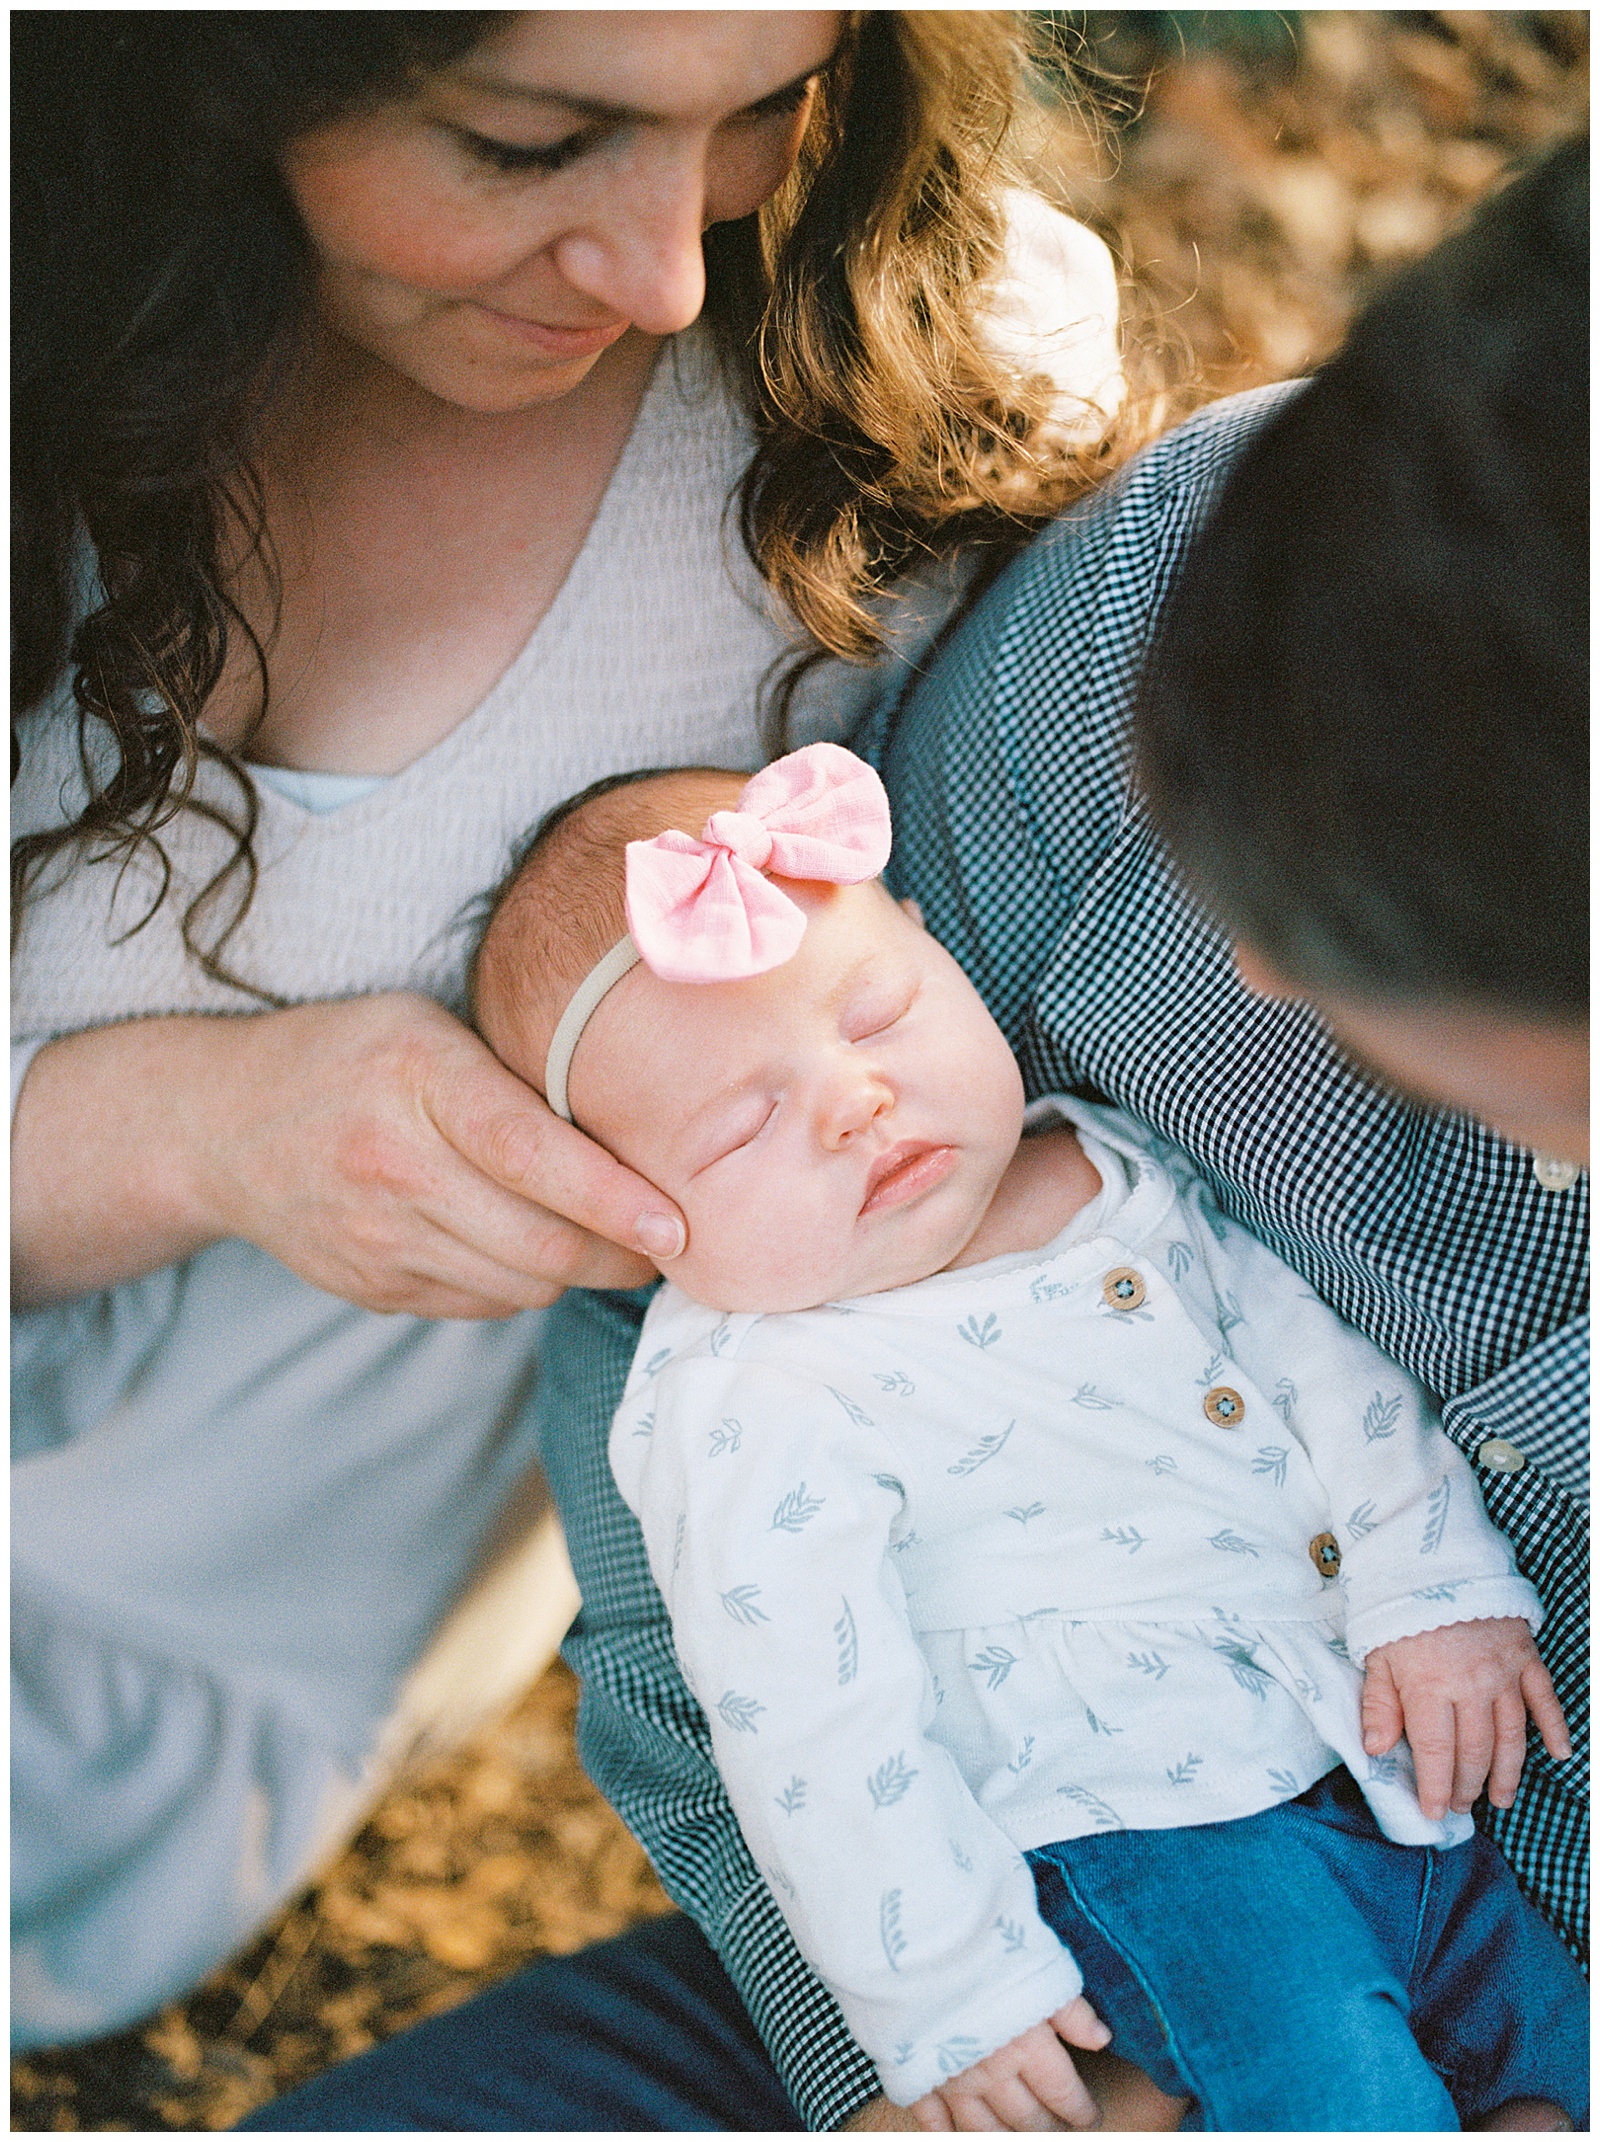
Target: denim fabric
[
  {"x": 640, "y": 2035},
  {"x": 1295, "y": 1971}
]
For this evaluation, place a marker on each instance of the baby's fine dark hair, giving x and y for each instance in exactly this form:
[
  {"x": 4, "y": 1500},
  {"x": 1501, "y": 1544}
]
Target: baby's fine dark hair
[{"x": 1364, "y": 731}]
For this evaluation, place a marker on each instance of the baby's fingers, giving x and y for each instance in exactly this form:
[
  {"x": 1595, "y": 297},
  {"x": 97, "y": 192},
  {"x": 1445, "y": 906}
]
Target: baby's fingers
[
  {"x": 1539, "y": 1694},
  {"x": 929, "y": 2112},
  {"x": 1477, "y": 1744},
  {"x": 1431, "y": 1730},
  {"x": 1510, "y": 1745},
  {"x": 1382, "y": 1719}
]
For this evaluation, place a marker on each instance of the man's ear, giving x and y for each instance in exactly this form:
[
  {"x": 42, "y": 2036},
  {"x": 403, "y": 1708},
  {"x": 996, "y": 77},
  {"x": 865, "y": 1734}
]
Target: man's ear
[
  {"x": 911, "y": 908},
  {"x": 1258, "y": 973}
]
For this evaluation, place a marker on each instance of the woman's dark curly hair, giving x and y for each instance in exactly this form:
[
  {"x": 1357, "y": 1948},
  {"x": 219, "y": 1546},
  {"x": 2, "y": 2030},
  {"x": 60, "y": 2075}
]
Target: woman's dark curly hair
[{"x": 162, "y": 280}]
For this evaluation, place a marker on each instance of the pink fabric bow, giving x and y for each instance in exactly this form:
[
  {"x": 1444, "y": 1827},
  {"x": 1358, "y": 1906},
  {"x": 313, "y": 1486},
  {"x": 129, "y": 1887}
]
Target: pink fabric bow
[{"x": 706, "y": 911}]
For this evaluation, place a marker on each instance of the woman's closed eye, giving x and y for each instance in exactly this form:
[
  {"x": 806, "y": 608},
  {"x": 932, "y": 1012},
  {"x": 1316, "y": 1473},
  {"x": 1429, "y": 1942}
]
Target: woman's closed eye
[{"x": 513, "y": 156}]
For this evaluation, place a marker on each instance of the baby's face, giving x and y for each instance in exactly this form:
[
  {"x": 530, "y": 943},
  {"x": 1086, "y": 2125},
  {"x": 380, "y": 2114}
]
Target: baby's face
[{"x": 833, "y": 1127}]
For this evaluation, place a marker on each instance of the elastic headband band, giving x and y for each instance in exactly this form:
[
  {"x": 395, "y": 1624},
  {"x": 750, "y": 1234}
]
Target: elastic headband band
[{"x": 601, "y": 979}]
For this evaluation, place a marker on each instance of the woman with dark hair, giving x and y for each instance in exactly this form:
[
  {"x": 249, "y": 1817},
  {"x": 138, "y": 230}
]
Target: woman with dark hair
[{"x": 382, "y": 381}]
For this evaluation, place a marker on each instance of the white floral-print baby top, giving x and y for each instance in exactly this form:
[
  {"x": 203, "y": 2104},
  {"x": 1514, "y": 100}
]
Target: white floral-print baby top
[{"x": 1089, "y": 1538}]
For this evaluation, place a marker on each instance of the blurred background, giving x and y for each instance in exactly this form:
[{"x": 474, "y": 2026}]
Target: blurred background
[{"x": 1257, "y": 175}]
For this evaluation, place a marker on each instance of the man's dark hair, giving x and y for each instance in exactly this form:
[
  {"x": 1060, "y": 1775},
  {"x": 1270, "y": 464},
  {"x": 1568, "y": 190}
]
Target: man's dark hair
[{"x": 1364, "y": 729}]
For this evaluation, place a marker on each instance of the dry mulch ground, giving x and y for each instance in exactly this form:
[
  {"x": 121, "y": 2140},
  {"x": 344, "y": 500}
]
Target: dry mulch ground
[{"x": 1257, "y": 174}]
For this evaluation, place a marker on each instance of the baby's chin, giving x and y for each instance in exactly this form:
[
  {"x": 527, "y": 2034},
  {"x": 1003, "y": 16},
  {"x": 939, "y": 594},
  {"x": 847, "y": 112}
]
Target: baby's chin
[{"x": 730, "y": 1286}]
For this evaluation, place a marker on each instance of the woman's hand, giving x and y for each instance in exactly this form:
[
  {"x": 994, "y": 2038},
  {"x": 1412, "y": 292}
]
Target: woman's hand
[{"x": 374, "y": 1146}]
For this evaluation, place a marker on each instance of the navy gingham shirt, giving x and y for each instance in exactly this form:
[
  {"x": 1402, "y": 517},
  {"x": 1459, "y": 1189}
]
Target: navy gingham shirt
[{"x": 1019, "y": 834}]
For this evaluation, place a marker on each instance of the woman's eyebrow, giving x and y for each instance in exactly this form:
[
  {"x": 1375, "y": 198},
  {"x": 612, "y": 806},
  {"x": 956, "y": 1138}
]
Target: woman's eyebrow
[{"x": 599, "y": 109}]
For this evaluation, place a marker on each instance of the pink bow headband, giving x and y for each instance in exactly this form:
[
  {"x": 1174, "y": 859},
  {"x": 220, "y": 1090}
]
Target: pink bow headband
[{"x": 706, "y": 910}]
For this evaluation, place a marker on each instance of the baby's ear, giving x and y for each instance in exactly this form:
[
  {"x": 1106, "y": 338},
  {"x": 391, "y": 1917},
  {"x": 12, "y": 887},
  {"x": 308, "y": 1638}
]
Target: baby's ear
[{"x": 913, "y": 909}]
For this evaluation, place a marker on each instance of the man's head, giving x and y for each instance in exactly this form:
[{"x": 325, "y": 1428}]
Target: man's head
[
  {"x": 1364, "y": 731},
  {"x": 832, "y": 1127}
]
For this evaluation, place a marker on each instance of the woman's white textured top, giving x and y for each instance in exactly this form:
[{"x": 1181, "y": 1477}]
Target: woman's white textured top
[{"x": 1090, "y": 1538}]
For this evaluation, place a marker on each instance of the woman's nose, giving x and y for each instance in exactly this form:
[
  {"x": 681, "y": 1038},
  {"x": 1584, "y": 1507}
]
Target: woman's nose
[
  {"x": 853, "y": 1099},
  {"x": 639, "y": 254}
]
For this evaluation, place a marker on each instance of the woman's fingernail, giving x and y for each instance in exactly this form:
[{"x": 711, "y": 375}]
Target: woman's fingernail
[{"x": 658, "y": 1235}]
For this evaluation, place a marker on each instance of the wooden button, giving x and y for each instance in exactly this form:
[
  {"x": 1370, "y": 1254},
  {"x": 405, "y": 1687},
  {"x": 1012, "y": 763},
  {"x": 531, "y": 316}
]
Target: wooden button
[
  {"x": 1123, "y": 1288},
  {"x": 1325, "y": 1554},
  {"x": 1224, "y": 1407}
]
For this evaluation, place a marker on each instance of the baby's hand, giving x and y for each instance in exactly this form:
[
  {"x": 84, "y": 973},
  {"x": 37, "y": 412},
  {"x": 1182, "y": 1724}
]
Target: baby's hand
[
  {"x": 1461, "y": 1695},
  {"x": 1029, "y": 2084}
]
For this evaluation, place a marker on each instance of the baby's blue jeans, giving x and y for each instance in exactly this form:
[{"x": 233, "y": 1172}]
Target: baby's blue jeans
[{"x": 1294, "y": 1970}]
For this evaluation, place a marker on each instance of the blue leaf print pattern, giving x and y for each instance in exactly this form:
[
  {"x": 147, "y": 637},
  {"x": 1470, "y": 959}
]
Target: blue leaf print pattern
[
  {"x": 1179, "y": 1258},
  {"x": 793, "y": 1796},
  {"x": 726, "y": 1438},
  {"x": 779, "y": 1880},
  {"x": 1012, "y": 1935},
  {"x": 1185, "y": 1772},
  {"x": 982, "y": 1335},
  {"x": 740, "y": 1712},
  {"x": 1241, "y": 1662},
  {"x": 740, "y": 1605},
  {"x": 1026, "y": 1512},
  {"x": 1162, "y": 1466},
  {"x": 1438, "y": 1593},
  {"x": 853, "y": 1412},
  {"x": 1229, "y": 1314},
  {"x": 1285, "y": 1784},
  {"x": 1438, "y": 1510},
  {"x": 1128, "y": 1536},
  {"x": 1103, "y": 1815},
  {"x": 1381, "y": 1418},
  {"x": 844, "y": 1635},
  {"x": 1271, "y": 1463},
  {"x": 962, "y": 1859},
  {"x": 1212, "y": 1370},
  {"x": 888, "y": 1480},
  {"x": 719, "y": 1338},
  {"x": 891, "y": 1781},
  {"x": 1090, "y": 1399},
  {"x": 1048, "y": 1290},
  {"x": 1099, "y": 1725},
  {"x": 986, "y": 1447},
  {"x": 1283, "y": 1399},
  {"x": 795, "y": 1511},
  {"x": 657, "y": 1362},
  {"x": 1227, "y": 1542},
  {"x": 1023, "y": 1757},
  {"x": 1383, "y": 1769},
  {"x": 1149, "y": 1662},
  {"x": 954, "y": 2054},
  {"x": 1361, "y": 1521},
  {"x": 677, "y": 1541},
  {"x": 646, "y": 1427},
  {"x": 996, "y": 1662},
  {"x": 896, "y": 1382}
]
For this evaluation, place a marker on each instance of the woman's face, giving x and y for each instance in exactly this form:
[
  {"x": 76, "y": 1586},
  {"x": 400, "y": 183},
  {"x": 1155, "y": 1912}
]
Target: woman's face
[{"x": 490, "y": 236}]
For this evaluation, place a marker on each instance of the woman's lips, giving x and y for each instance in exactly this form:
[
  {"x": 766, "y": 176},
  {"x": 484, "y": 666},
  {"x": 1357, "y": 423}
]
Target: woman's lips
[
  {"x": 556, "y": 341},
  {"x": 904, "y": 1172}
]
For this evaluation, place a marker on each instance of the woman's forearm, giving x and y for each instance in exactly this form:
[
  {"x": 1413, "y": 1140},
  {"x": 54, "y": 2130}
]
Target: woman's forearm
[{"x": 102, "y": 1187}]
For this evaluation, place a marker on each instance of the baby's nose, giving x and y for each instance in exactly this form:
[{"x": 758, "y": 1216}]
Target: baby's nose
[{"x": 854, "y": 1101}]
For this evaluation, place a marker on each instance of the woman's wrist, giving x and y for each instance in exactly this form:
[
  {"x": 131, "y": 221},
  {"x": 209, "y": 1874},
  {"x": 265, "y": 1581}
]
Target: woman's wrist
[{"x": 105, "y": 1154}]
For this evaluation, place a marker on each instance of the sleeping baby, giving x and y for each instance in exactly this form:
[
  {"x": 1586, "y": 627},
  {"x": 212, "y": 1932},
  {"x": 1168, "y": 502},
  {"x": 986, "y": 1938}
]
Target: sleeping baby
[{"x": 1098, "y": 1638}]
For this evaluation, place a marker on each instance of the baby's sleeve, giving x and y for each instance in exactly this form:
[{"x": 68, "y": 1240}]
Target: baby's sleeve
[
  {"x": 1414, "y": 1547},
  {"x": 768, "y": 1510}
]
